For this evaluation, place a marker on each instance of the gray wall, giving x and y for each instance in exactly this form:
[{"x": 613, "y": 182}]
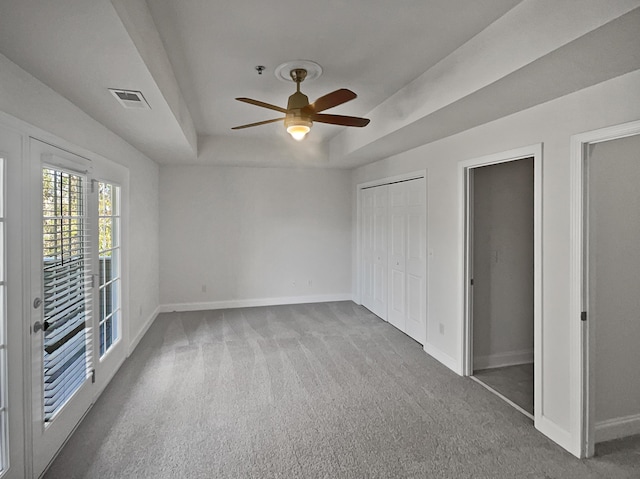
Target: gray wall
[
  {"x": 229, "y": 235},
  {"x": 614, "y": 269},
  {"x": 503, "y": 264}
]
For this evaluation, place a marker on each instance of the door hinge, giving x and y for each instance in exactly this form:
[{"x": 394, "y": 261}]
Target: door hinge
[
  {"x": 471, "y": 282},
  {"x": 93, "y": 185},
  {"x": 583, "y": 316},
  {"x": 93, "y": 376}
]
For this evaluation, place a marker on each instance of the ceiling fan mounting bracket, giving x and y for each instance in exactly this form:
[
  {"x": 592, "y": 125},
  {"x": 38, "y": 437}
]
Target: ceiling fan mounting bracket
[
  {"x": 298, "y": 75},
  {"x": 283, "y": 71}
]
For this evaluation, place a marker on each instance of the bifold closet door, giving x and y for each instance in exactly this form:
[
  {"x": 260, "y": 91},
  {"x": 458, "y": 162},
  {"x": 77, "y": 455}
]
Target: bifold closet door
[
  {"x": 397, "y": 255},
  {"x": 407, "y": 258},
  {"x": 366, "y": 240},
  {"x": 374, "y": 250}
]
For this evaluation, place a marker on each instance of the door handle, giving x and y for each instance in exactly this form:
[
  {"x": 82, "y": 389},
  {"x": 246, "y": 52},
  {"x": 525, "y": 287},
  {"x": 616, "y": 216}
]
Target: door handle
[{"x": 37, "y": 326}]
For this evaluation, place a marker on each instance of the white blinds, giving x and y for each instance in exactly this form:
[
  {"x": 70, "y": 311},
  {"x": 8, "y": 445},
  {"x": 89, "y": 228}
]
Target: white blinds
[{"x": 67, "y": 288}]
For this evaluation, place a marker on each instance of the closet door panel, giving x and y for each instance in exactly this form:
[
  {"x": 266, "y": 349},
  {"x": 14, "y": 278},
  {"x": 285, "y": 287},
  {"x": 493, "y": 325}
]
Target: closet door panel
[
  {"x": 416, "y": 321},
  {"x": 397, "y": 256}
]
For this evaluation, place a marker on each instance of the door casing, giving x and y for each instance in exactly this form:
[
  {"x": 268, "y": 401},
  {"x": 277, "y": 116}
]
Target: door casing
[{"x": 465, "y": 218}]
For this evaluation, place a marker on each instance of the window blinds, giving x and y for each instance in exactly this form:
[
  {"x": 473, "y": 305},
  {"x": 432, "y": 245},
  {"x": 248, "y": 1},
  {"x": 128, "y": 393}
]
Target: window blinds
[{"x": 67, "y": 287}]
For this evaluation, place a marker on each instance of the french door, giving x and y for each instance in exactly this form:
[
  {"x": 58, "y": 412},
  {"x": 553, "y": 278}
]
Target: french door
[{"x": 75, "y": 291}]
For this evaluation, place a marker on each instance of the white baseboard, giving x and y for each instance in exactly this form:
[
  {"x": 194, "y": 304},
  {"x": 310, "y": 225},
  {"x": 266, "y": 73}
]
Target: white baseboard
[
  {"x": 560, "y": 436},
  {"x": 249, "y": 303},
  {"x": 147, "y": 324},
  {"x": 510, "y": 358},
  {"x": 444, "y": 358},
  {"x": 617, "y": 428}
]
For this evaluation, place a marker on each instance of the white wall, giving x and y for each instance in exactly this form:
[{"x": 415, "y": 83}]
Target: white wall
[
  {"x": 503, "y": 264},
  {"x": 609, "y": 103},
  {"x": 26, "y": 98},
  {"x": 614, "y": 262},
  {"x": 28, "y": 107},
  {"x": 253, "y": 236}
]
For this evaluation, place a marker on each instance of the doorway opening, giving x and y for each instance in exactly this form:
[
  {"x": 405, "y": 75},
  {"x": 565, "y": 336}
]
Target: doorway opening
[
  {"x": 502, "y": 241},
  {"x": 605, "y": 260}
]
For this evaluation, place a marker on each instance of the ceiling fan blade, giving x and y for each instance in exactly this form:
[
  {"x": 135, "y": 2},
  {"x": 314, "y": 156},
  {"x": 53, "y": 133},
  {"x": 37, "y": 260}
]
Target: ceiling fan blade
[
  {"x": 332, "y": 99},
  {"x": 340, "y": 120},
  {"x": 256, "y": 124},
  {"x": 262, "y": 104}
]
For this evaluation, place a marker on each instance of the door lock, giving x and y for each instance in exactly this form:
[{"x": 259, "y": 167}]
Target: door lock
[{"x": 37, "y": 303}]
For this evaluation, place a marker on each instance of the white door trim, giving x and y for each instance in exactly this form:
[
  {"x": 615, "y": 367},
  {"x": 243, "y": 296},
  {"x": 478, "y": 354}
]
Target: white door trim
[
  {"x": 581, "y": 392},
  {"x": 466, "y": 337},
  {"x": 414, "y": 175}
]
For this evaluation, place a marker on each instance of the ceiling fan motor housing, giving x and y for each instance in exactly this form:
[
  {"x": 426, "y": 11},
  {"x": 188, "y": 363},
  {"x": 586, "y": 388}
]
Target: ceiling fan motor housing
[{"x": 295, "y": 110}]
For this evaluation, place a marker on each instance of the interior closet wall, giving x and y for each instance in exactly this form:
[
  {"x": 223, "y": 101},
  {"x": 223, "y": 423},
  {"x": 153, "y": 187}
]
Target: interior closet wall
[
  {"x": 503, "y": 264},
  {"x": 614, "y": 263}
]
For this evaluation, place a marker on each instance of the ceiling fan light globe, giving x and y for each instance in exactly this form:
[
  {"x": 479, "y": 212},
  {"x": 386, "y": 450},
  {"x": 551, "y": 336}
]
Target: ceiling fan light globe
[{"x": 298, "y": 132}]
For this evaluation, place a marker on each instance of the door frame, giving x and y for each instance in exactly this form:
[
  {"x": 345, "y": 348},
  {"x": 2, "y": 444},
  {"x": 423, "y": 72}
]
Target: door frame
[
  {"x": 465, "y": 199},
  {"x": 582, "y": 336}
]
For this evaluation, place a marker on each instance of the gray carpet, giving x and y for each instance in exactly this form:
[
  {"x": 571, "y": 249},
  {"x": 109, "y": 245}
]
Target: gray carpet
[
  {"x": 513, "y": 382},
  {"x": 309, "y": 391}
]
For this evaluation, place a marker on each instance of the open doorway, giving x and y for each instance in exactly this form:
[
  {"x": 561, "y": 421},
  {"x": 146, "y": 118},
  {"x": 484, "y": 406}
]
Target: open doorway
[
  {"x": 502, "y": 272},
  {"x": 605, "y": 262},
  {"x": 502, "y": 243}
]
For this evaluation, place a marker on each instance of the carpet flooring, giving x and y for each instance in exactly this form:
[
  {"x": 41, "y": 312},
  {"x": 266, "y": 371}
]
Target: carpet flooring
[
  {"x": 307, "y": 391},
  {"x": 513, "y": 382}
]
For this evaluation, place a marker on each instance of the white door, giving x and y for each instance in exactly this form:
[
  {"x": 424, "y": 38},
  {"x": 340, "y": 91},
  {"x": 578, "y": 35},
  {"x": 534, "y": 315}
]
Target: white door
[
  {"x": 397, "y": 255},
  {"x": 416, "y": 260},
  {"x": 76, "y": 289},
  {"x": 407, "y": 258},
  {"x": 380, "y": 251},
  {"x": 61, "y": 298},
  {"x": 366, "y": 236},
  {"x": 373, "y": 231}
]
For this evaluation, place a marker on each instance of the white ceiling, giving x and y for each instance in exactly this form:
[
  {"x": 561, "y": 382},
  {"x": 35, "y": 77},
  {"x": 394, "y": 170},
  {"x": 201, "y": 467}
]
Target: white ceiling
[
  {"x": 191, "y": 58},
  {"x": 373, "y": 47}
]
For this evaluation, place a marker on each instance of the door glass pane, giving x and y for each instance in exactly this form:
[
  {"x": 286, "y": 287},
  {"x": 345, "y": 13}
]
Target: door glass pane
[
  {"x": 66, "y": 268},
  {"x": 109, "y": 252}
]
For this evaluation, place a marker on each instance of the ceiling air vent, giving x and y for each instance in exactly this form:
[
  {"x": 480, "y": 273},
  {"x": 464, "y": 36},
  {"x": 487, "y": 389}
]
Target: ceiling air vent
[{"x": 130, "y": 99}]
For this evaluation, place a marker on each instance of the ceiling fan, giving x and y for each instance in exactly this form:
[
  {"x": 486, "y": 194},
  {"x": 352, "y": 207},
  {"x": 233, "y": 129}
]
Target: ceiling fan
[{"x": 300, "y": 114}]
